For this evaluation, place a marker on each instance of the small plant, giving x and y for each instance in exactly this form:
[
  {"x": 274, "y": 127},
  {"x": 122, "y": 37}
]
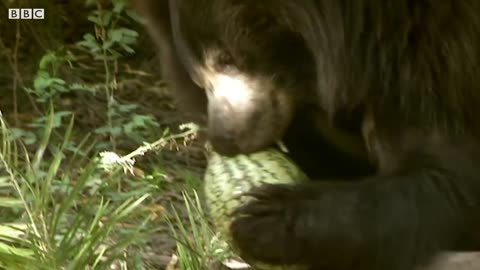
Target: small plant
[
  {"x": 47, "y": 87},
  {"x": 107, "y": 46},
  {"x": 47, "y": 84}
]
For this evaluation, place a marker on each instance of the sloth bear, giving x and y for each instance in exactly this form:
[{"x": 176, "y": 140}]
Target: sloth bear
[{"x": 392, "y": 84}]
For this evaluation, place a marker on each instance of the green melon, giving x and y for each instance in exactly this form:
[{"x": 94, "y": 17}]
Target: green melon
[{"x": 226, "y": 178}]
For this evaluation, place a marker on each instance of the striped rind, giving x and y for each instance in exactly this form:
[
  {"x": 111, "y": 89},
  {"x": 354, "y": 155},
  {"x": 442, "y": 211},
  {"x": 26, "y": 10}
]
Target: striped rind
[{"x": 226, "y": 178}]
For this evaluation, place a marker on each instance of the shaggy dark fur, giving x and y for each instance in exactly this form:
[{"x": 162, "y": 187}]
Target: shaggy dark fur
[{"x": 408, "y": 72}]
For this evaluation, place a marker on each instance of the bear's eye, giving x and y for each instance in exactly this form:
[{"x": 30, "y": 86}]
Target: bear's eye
[{"x": 225, "y": 63}]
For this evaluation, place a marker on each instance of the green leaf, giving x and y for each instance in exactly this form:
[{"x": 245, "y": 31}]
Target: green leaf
[
  {"x": 26, "y": 136},
  {"x": 127, "y": 48},
  {"x": 106, "y": 18},
  {"x": 81, "y": 87},
  {"x": 47, "y": 58},
  {"x": 94, "y": 19},
  {"x": 41, "y": 81},
  {"x": 108, "y": 130},
  {"x": 119, "y": 5},
  {"x": 56, "y": 119},
  {"x": 125, "y": 108},
  {"x": 90, "y": 42}
]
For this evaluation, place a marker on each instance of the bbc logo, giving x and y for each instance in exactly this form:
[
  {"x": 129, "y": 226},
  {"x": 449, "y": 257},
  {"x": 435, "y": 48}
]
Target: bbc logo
[{"x": 26, "y": 13}]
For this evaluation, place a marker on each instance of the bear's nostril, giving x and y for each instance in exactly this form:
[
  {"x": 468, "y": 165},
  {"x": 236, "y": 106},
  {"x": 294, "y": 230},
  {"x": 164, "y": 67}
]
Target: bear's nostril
[{"x": 224, "y": 144}]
